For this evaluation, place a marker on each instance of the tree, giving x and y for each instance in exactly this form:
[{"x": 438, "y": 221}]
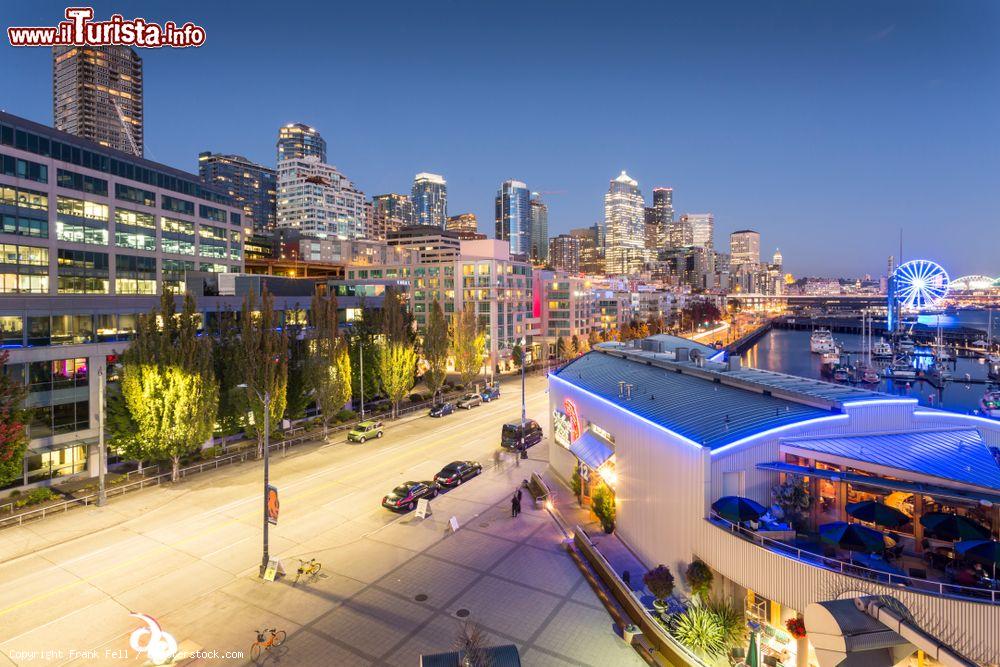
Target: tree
[
  {"x": 517, "y": 354},
  {"x": 436, "y": 342},
  {"x": 574, "y": 345},
  {"x": 299, "y": 392},
  {"x": 594, "y": 337},
  {"x": 396, "y": 319},
  {"x": 119, "y": 425},
  {"x": 264, "y": 348},
  {"x": 602, "y": 503},
  {"x": 701, "y": 630},
  {"x": 169, "y": 385},
  {"x": 468, "y": 344},
  {"x": 660, "y": 582},
  {"x": 13, "y": 435},
  {"x": 699, "y": 578},
  {"x": 329, "y": 363},
  {"x": 362, "y": 345},
  {"x": 562, "y": 351},
  {"x": 227, "y": 359},
  {"x": 397, "y": 362}
]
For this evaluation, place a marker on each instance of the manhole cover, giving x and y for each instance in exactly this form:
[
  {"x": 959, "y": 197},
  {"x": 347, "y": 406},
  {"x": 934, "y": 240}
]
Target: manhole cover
[
  {"x": 462, "y": 613},
  {"x": 420, "y": 597}
]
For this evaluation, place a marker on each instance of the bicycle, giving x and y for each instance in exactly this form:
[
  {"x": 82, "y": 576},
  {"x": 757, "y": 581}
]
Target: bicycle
[
  {"x": 276, "y": 639},
  {"x": 309, "y": 568}
]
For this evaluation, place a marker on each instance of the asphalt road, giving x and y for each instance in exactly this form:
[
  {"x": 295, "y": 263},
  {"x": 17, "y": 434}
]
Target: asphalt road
[{"x": 188, "y": 554}]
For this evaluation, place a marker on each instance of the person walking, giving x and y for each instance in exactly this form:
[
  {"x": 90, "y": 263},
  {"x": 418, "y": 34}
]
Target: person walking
[
  {"x": 517, "y": 504},
  {"x": 513, "y": 506},
  {"x": 519, "y": 497}
]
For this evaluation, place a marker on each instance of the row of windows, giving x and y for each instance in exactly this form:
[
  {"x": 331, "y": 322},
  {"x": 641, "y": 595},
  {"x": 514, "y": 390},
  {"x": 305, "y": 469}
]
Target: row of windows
[
  {"x": 20, "y": 283},
  {"x": 80, "y": 208},
  {"x": 135, "y": 195},
  {"x": 26, "y": 169},
  {"x": 23, "y": 255},
  {"x": 14, "y": 224},
  {"x": 83, "y": 183},
  {"x": 24, "y": 198}
]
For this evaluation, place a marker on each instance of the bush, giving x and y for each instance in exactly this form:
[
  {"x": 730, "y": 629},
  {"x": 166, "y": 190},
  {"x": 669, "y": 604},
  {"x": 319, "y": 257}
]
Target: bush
[
  {"x": 732, "y": 621},
  {"x": 35, "y": 496},
  {"x": 659, "y": 581},
  {"x": 699, "y": 578},
  {"x": 576, "y": 484},
  {"x": 345, "y": 415},
  {"x": 699, "y": 629},
  {"x": 210, "y": 453},
  {"x": 602, "y": 503},
  {"x": 417, "y": 397}
]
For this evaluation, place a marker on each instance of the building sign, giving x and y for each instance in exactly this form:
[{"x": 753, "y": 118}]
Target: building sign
[
  {"x": 574, "y": 419},
  {"x": 566, "y": 424},
  {"x": 273, "y": 506}
]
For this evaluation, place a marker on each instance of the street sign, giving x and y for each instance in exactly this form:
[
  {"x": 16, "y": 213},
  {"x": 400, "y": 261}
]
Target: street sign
[
  {"x": 423, "y": 508},
  {"x": 453, "y": 522},
  {"x": 274, "y": 569},
  {"x": 273, "y": 506}
]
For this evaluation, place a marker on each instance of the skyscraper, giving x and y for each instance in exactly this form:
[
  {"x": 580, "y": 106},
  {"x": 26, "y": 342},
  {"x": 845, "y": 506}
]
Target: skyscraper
[
  {"x": 252, "y": 186},
  {"x": 663, "y": 204},
  {"x": 652, "y": 230},
  {"x": 564, "y": 253},
  {"x": 702, "y": 229},
  {"x": 463, "y": 223},
  {"x": 539, "y": 229},
  {"x": 513, "y": 216},
  {"x": 591, "y": 248},
  {"x": 430, "y": 200},
  {"x": 390, "y": 213},
  {"x": 744, "y": 249},
  {"x": 97, "y": 94},
  {"x": 624, "y": 219},
  {"x": 296, "y": 140},
  {"x": 318, "y": 200}
]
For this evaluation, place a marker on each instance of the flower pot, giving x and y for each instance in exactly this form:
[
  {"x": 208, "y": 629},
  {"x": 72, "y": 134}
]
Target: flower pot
[{"x": 660, "y": 606}]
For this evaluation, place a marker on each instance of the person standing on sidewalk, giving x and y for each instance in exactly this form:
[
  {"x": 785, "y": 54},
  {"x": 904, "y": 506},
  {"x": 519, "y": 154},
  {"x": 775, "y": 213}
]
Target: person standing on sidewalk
[
  {"x": 517, "y": 505},
  {"x": 513, "y": 506},
  {"x": 519, "y": 498}
]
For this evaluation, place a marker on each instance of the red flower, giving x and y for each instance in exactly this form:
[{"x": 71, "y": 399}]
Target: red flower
[{"x": 796, "y": 627}]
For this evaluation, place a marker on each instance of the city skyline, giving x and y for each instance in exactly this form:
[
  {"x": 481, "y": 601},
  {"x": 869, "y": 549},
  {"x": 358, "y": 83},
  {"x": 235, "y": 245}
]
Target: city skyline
[{"x": 856, "y": 133}]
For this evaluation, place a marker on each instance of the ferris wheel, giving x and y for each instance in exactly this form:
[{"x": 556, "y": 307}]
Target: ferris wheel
[{"x": 919, "y": 284}]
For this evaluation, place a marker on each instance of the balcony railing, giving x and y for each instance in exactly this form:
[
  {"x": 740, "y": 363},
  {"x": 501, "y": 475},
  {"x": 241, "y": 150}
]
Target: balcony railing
[{"x": 915, "y": 584}]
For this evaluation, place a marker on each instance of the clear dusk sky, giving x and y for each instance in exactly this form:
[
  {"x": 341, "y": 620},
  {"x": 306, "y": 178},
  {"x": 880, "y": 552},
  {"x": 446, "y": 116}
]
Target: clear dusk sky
[{"x": 827, "y": 126}]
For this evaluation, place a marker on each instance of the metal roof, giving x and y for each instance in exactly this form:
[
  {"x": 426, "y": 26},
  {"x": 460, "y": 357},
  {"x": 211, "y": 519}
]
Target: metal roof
[
  {"x": 838, "y": 393},
  {"x": 958, "y": 455},
  {"x": 690, "y": 404}
]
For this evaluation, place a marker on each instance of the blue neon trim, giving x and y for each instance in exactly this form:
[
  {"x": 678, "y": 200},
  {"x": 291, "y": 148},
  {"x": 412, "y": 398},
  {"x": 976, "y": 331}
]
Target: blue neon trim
[
  {"x": 719, "y": 357},
  {"x": 955, "y": 415},
  {"x": 778, "y": 429},
  {"x": 663, "y": 428},
  {"x": 882, "y": 401}
]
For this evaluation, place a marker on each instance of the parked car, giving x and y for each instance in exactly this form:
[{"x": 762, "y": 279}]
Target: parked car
[
  {"x": 457, "y": 472},
  {"x": 442, "y": 409},
  {"x": 491, "y": 392},
  {"x": 512, "y": 434},
  {"x": 469, "y": 401},
  {"x": 365, "y": 430},
  {"x": 405, "y": 496}
]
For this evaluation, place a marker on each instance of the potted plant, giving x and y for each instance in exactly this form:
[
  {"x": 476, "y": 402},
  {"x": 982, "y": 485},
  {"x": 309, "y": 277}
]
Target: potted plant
[
  {"x": 576, "y": 485},
  {"x": 796, "y": 628},
  {"x": 660, "y": 582},
  {"x": 699, "y": 578},
  {"x": 793, "y": 498},
  {"x": 602, "y": 503}
]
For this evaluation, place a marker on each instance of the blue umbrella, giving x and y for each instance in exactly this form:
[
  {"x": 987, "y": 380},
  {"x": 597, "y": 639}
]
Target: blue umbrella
[
  {"x": 949, "y": 526},
  {"x": 877, "y": 513},
  {"x": 984, "y": 551},
  {"x": 738, "y": 509},
  {"x": 852, "y": 536}
]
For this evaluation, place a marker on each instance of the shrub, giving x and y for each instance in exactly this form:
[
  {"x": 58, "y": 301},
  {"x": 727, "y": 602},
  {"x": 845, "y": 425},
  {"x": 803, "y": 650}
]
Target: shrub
[
  {"x": 36, "y": 496},
  {"x": 602, "y": 503},
  {"x": 416, "y": 397},
  {"x": 345, "y": 415},
  {"x": 576, "y": 484},
  {"x": 732, "y": 621},
  {"x": 659, "y": 581},
  {"x": 210, "y": 453},
  {"x": 699, "y": 629},
  {"x": 699, "y": 578}
]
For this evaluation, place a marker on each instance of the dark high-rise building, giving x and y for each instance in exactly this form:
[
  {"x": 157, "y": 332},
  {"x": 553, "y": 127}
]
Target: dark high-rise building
[
  {"x": 430, "y": 200},
  {"x": 513, "y": 216},
  {"x": 591, "y": 248},
  {"x": 296, "y": 140},
  {"x": 97, "y": 95},
  {"x": 652, "y": 229},
  {"x": 539, "y": 229},
  {"x": 390, "y": 212},
  {"x": 564, "y": 253},
  {"x": 252, "y": 186}
]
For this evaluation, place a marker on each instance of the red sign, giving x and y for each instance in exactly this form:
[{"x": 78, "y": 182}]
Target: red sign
[
  {"x": 272, "y": 505},
  {"x": 569, "y": 407}
]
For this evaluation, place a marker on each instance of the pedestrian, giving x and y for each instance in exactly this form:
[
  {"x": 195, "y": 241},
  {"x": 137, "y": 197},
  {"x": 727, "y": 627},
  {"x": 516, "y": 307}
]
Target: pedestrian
[
  {"x": 496, "y": 459},
  {"x": 519, "y": 496},
  {"x": 517, "y": 505},
  {"x": 513, "y": 506}
]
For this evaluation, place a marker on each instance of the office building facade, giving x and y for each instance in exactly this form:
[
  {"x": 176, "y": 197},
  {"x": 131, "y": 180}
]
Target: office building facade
[
  {"x": 390, "y": 212},
  {"x": 465, "y": 224},
  {"x": 744, "y": 250},
  {"x": 316, "y": 199},
  {"x": 97, "y": 94},
  {"x": 564, "y": 253},
  {"x": 625, "y": 222},
  {"x": 513, "y": 216},
  {"x": 702, "y": 229},
  {"x": 430, "y": 200},
  {"x": 539, "y": 229},
  {"x": 253, "y": 187},
  {"x": 297, "y": 140},
  {"x": 663, "y": 205},
  {"x": 591, "y": 248}
]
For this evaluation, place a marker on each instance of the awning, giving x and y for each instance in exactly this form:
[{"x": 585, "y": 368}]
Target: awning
[
  {"x": 878, "y": 482},
  {"x": 591, "y": 449}
]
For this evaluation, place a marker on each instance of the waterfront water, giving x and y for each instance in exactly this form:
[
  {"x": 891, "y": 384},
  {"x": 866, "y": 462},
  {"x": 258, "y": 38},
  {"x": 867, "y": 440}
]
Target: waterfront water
[{"x": 788, "y": 352}]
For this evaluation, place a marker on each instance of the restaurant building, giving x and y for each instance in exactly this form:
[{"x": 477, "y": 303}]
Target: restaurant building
[{"x": 670, "y": 430}]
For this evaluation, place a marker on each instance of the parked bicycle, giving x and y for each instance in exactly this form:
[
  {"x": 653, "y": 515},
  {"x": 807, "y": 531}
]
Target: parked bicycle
[
  {"x": 265, "y": 643},
  {"x": 307, "y": 568}
]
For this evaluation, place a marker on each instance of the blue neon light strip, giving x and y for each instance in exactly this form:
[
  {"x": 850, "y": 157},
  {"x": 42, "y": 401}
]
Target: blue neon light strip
[
  {"x": 881, "y": 401},
  {"x": 778, "y": 429},
  {"x": 954, "y": 415}
]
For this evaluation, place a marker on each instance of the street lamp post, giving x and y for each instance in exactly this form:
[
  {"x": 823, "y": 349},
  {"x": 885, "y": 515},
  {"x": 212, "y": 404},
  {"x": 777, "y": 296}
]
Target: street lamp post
[
  {"x": 361, "y": 379},
  {"x": 266, "y": 398},
  {"x": 524, "y": 412},
  {"x": 102, "y": 454}
]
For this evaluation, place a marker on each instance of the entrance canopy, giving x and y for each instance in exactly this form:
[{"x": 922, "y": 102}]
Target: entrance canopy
[{"x": 591, "y": 450}]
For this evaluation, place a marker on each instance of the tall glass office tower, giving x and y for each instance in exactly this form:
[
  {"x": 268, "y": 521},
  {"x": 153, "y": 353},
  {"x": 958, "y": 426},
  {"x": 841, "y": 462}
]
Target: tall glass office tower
[
  {"x": 430, "y": 200},
  {"x": 513, "y": 216},
  {"x": 296, "y": 140},
  {"x": 539, "y": 229},
  {"x": 625, "y": 222}
]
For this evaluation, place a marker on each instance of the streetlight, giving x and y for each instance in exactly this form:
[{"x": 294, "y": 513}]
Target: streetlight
[
  {"x": 102, "y": 454},
  {"x": 266, "y": 399},
  {"x": 361, "y": 379},
  {"x": 524, "y": 415}
]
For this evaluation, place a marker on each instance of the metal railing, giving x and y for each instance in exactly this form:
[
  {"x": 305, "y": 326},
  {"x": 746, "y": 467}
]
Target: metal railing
[{"x": 915, "y": 584}]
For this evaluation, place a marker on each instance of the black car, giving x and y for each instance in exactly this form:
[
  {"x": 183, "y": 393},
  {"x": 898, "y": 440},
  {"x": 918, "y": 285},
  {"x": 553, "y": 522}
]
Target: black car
[
  {"x": 442, "y": 410},
  {"x": 405, "y": 496},
  {"x": 457, "y": 472},
  {"x": 513, "y": 434}
]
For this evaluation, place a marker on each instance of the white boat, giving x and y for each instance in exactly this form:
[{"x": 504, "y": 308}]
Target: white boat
[
  {"x": 832, "y": 357},
  {"x": 901, "y": 370},
  {"x": 881, "y": 349},
  {"x": 980, "y": 344},
  {"x": 990, "y": 403},
  {"x": 905, "y": 344},
  {"x": 869, "y": 376},
  {"x": 822, "y": 341}
]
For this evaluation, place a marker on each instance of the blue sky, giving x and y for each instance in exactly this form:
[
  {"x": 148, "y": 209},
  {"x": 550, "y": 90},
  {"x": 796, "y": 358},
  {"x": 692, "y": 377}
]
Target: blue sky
[{"x": 827, "y": 126}]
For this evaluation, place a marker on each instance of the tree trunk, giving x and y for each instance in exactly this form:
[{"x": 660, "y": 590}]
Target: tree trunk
[
  {"x": 326, "y": 430},
  {"x": 175, "y": 472},
  {"x": 260, "y": 445},
  {"x": 140, "y": 466}
]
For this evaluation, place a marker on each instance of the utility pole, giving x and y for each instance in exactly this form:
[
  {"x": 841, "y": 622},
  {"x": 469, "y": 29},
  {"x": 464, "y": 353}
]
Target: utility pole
[
  {"x": 361, "y": 379},
  {"x": 102, "y": 454},
  {"x": 267, "y": 449}
]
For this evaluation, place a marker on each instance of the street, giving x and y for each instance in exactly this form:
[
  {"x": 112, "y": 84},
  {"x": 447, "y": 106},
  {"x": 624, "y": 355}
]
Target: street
[{"x": 392, "y": 586}]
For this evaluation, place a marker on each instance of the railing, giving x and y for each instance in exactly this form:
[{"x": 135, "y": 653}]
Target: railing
[{"x": 916, "y": 584}]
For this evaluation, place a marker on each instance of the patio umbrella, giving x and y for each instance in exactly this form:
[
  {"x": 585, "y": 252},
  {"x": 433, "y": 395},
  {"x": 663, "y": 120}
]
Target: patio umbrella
[
  {"x": 753, "y": 655},
  {"x": 986, "y": 552},
  {"x": 737, "y": 509},
  {"x": 852, "y": 537},
  {"x": 877, "y": 513},
  {"x": 953, "y": 527}
]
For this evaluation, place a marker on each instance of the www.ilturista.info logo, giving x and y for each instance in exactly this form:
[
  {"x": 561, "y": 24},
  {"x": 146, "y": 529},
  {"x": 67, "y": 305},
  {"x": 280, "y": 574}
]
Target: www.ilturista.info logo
[{"x": 79, "y": 29}]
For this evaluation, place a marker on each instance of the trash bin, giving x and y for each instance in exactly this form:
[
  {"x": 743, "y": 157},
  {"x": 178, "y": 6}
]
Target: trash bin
[{"x": 629, "y": 633}]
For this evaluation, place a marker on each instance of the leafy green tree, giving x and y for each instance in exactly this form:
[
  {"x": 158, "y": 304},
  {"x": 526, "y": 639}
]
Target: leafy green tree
[
  {"x": 169, "y": 384},
  {"x": 265, "y": 363},
  {"x": 699, "y": 578},
  {"x": 13, "y": 435},
  {"x": 228, "y": 362},
  {"x": 329, "y": 366},
  {"x": 517, "y": 354},
  {"x": 562, "y": 351},
  {"x": 436, "y": 341},
  {"x": 602, "y": 504},
  {"x": 121, "y": 429},
  {"x": 362, "y": 345},
  {"x": 396, "y": 321},
  {"x": 299, "y": 392},
  {"x": 468, "y": 344},
  {"x": 397, "y": 362}
]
